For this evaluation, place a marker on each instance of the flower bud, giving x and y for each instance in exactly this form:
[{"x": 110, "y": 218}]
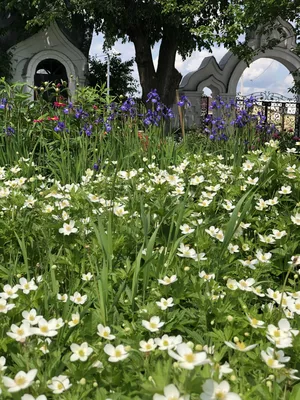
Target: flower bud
[
  {"x": 230, "y": 318},
  {"x": 199, "y": 347},
  {"x": 190, "y": 345}
]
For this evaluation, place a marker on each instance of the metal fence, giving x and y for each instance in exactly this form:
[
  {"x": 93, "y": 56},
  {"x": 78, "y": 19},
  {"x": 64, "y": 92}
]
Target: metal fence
[{"x": 282, "y": 111}]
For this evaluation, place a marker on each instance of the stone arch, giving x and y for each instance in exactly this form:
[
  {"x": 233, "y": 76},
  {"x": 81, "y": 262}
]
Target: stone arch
[
  {"x": 50, "y": 54},
  {"x": 284, "y": 56},
  {"x": 222, "y": 78}
]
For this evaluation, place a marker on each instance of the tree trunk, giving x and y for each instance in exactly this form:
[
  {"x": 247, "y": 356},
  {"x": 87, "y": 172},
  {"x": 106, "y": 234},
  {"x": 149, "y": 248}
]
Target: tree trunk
[
  {"x": 143, "y": 58},
  {"x": 166, "y": 79}
]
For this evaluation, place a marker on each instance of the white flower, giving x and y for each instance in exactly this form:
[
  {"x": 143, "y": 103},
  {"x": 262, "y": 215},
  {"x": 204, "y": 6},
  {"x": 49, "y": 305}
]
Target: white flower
[
  {"x": 62, "y": 297},
  {"x": 170, "y": 393},
  {"x": 263, "y": 257},
  {"x": 278, "y": 234},
  {"x": 77, "y": 298},
  {"x": 223, "y": 369},
  {"x": 59, "y": 384},
  {"x": 187, "y": 359},
  {"x": 87, "y": 277},
  {"x": 246, "y": 284},
  {"x": 153, "y": 325},
  {"x": 67, "y": 229},
  {"x": 213, "y": 390},
  {"x": 255, "y": 323},
  {"x": 168, "y": 342},
  {"x": 21, "y": 381},
  {"x": 249, "y": 263},
  {"x": 233, "y": 248},
  {"x": 119, "y": 211},
  {"x": 167, "y": 281},
  {"x": 104, "y": 331},
  {"x": 4, "y": 307},
  {"x": 273, "y": 358},
  {"x": 75, "y": 320},
  {"x": 232, "y": 284},
  {"x": 80, "y": 352},
  {"x": 20, "y": 333},
  {"x": 296, "y": 219},
  {"x": 147, "y": 346},
  {"x": 163, "y": 304},
  {"x": 2, "y": 364},
  {"x": 30, "y": 397},
  {"x": 186, "y": 251},
  {"x": 46, "y": 328},
  {"x": 205, "y": 276},
  {"x": 31, "y": 316},
  {"x": 186, "y": 229},
  {"x": 26, "y": 286},
  {"x": 240, "y": 346},
  {"x": 285, "y": 190},
  {"x": 115, "y": 353},
  {"x": 9, "y": 292}
]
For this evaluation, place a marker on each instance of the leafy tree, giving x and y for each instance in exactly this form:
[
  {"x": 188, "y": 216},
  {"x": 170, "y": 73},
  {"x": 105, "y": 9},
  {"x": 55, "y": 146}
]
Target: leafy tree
[
  {"x": 180, "y": 26},
  {"x": 121, "y": 79}
]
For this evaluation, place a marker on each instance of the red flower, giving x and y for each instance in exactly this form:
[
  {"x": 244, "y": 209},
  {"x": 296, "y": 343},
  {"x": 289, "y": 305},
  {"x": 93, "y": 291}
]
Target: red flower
[
  {"x": 58, "y": 104},
  {"x": 95, "y": 107},
  {"x": 38, "y": 120},
  {"x": 55, "y": 118}
]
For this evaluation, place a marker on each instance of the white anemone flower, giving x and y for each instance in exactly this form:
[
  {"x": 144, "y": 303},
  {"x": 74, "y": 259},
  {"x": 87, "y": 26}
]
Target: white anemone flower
[
  {"x": 104, "y": 331},
  {"x": 9, "y": 292},
  {"x": 186, "y": 358},
  {"x": 27, "y": 286},
  {"x": 77, "y": 298},
  {"x": 274, "y": 359},
  {"x": 167, "y": 280},
  {"x": 186, "y": 252},
  {"x": 116, "y": 354},
  {"x": 186, "y": 229},
  {"x": 59, "y": 384},
  {"x": 164, "y": 304},
  {"x": 30, "y": 397},
  {"x": 20, "y": 333},
  {"x": 170, "y": 393},
  {"x": 80, "y": 352},
  {"x": 148, "y": 346},
  {"x": 213, "y": 390},
  {"x": 75, "y": 320},
  {"x": 240, "y": 346},
  {"x": 31, "y": 316},
  {"x": 69, "y": 228},
  {"x": 2, "y": 364},
  {"x": 62, "y": 297},
  {"x": 21, "y": 381},
  {"x": 46, "y": 328},
  {"x": 4, "y": 307},
  {"x": 168, "y": 342},
  {"x": 153, "y": 325}
]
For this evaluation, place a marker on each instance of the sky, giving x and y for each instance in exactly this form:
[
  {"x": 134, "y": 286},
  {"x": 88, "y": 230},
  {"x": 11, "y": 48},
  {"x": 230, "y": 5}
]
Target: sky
[{"x": 262, "y": 75}]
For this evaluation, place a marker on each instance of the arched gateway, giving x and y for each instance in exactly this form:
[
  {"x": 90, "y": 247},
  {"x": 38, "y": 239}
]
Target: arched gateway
[{"x": 222, "y": 78}]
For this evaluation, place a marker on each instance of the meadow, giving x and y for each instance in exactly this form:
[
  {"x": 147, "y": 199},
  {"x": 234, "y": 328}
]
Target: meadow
[{"x": 136, "y": 266}]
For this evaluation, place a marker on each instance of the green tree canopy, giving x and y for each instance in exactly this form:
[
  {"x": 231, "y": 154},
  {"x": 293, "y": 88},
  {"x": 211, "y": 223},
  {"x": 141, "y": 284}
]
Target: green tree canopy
[
  {"x": 121, "y": 79},
  {"x": 180, "y": 26}
]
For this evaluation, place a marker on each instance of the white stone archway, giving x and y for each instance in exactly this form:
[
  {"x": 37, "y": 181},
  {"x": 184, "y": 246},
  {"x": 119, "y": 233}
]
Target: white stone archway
[
  {"x": 49, "y": 43},
  {"x": 223, "y": 77},
  {"x": 51, "y": 54}
]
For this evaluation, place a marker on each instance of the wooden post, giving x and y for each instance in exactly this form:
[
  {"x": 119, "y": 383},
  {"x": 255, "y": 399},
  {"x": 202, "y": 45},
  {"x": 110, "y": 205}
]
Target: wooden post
[{"x": 181, "y": 119}]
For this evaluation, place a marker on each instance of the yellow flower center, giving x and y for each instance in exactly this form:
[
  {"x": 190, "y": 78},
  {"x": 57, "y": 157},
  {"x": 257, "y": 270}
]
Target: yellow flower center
[
  {"x": 81, "y": 353},
  {"x": 20, "y": 331},
  {"x": 189, "y": 357},
  {"x": 153, "y": 325},
  {"x": 118, "y": 353},
  {"x": 276, "y": 333},
  {"x": 165, "y": 343},
  {"x": 270, "y": 362},
  {"x": 297, "y": 306},
  {"x": 148, "y": 346},
  {"x": 241, "y": 345},
  {"x": 2, "y": 307},
  {"x": 60, "y": 386},
  {"x": 254, "y": 321},
  {"x": 220, "y": 396},
  {"x": 105, "y": 333},
  {"x": 44, "y": 329},
  {"x": 20, "y": 380},
  {"x": 26, "y": 286}
]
